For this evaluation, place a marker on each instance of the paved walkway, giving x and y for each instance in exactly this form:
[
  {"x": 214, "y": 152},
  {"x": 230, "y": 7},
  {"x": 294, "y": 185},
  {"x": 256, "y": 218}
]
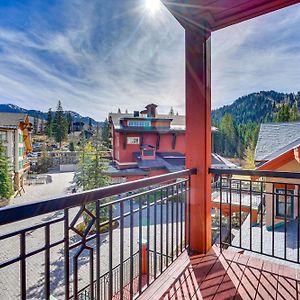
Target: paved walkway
[
  {"x": 59, "y": 187},
  {"x": 243, "y": 199},
  {"x": 260, "y": 234},
  {"x": 9, "y": 248}
]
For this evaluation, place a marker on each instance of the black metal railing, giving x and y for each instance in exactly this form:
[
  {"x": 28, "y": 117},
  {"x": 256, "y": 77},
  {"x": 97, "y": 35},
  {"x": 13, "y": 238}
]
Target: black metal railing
[
  {"x": 84, "y": 294},
  {"x": 258, "y": 211},
  {"x": 80, "y": 244}
]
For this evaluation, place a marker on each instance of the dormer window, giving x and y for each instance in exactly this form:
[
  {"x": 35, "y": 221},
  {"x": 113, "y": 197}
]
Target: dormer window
[
  {"x": 148, "y": 152},
  {"x": 139, "y": 123}
]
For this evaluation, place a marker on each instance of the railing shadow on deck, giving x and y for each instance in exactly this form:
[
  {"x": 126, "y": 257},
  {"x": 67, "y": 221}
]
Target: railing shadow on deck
[{"x": 232, "y": 275}]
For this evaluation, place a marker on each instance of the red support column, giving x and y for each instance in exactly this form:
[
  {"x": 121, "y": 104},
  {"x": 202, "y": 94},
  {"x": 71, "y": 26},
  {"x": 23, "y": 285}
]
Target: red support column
[
  {"x": 198, "y": 134},
  {"x": 144, "y": 258}
]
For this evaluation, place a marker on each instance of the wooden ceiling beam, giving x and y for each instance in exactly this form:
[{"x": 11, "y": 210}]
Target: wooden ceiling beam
[{"x": 212, "y": 15}]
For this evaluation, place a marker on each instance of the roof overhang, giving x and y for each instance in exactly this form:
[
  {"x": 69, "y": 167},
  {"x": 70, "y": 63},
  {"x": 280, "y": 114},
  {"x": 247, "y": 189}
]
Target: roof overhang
[
  {"x": 8, "y": 127},
  {"x": 279, "y": 161},
  {"x": 146, "y": 119},
  {"x": 148, "y": 130},
  {"x": 212, "y": 15}
]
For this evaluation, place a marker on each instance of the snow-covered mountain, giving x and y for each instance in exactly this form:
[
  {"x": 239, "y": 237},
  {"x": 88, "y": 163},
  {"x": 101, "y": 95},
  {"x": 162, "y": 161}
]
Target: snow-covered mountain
[{"x": 12, "y": 108}]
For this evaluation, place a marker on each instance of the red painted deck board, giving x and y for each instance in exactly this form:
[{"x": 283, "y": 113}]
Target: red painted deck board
[{"x": 226, "y": 275}]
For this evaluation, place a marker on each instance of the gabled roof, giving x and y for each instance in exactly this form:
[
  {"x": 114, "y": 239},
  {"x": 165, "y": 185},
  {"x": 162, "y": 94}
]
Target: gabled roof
[
  {"x": 275, "y": 139},
  {"x": 291, "y": 146},
  {"x": 11, "y": 120},
  {"x": 278, "y": 161},
  {"x": 219, "y": 162}
]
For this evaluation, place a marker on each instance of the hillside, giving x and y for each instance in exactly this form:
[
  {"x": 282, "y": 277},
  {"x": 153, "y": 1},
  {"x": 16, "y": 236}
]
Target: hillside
[
  {"x": 43, "y": 115},
  {"x": 256, "y": 107}
]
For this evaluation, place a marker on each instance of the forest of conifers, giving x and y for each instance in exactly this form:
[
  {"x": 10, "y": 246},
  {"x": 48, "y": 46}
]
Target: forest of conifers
[{"x": 238, "y": 124}]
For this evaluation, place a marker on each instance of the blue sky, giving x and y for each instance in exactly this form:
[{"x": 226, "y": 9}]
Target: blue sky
[{"x": 96, "y": 56}]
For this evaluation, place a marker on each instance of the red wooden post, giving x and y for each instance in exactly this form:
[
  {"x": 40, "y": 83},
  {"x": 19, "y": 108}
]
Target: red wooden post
[
  {"x": 198, "y": 134},
  {"x": 144, "y": 258}
]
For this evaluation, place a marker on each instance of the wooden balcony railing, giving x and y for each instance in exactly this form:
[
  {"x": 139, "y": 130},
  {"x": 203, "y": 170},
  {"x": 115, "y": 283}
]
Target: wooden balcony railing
[{"x": 90, "y": 245}]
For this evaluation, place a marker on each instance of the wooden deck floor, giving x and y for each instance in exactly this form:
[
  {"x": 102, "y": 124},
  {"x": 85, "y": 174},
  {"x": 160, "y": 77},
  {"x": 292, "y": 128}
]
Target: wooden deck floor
[{"x": 226, "y": 275}]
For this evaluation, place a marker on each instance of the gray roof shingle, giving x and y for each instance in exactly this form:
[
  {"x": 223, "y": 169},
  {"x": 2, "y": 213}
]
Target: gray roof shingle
[
  {"x": 219, "y": 162},
  {"x": 274, "y": 138},
  {"x": 11, "y": 119}
]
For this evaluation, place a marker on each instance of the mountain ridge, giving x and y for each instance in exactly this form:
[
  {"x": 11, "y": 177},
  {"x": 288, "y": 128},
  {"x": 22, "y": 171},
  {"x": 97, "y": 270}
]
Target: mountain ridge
[
  {"x": 259, "y": 107},
  {"x": 12, "y": 108}
]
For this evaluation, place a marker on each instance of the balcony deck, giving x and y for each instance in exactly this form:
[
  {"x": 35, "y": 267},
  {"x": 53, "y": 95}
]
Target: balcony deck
[
  {"x": 149, "y": 238},
  {"x": 226, "y": 275}
]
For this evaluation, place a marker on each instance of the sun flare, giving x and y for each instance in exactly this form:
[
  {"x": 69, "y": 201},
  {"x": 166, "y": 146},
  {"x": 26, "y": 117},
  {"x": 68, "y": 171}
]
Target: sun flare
[{"x": 152, "y": 5}]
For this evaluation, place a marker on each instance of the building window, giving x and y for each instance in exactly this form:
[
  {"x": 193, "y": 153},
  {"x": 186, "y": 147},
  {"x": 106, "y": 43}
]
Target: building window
[
  {"x": 280, "y": 203},
  {"x": 3, "y": 136},
  {"x": 21, "y": 151},
  {"x": 148, "y": 152},
  {"x": 139, "y": 123},
  {"x": 133, "y": 140},
  {"x": 21, "y": 165}
]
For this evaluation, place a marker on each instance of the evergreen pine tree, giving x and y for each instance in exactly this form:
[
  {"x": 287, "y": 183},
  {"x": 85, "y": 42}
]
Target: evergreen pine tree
[
  {"x": 283, "y": 114},
  {"x": 105, "y": 134},
  {"x": 72, "y": 146},
  {"x": 70, "y": 122},
  {"x": 90, "y": 124},
  {"x": 229, "y": 136},
  {"x": 35, "y": 124},
  {"x": 49, "y": 124},
  {"x": 294, "y": 113},
  {"x": 60, "y": 126},
  {"x": 6, "y": 188},
  {"x": 44, "y": 162},
  {"x": 92, "y": 173},
  {"x": 249, "y": 157}
]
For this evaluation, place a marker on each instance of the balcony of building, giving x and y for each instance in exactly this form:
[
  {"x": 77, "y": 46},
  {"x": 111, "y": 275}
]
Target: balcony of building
[
  {"x": 143, "y": 249},
  {"x": 153, "y": 238}
]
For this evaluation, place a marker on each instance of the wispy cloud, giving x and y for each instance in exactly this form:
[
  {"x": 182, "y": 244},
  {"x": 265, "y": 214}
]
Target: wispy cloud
[
  {"x": 103, "y": 56},
  {"x": 260, "y": 54},
  {"x": 97, "y": 56}
]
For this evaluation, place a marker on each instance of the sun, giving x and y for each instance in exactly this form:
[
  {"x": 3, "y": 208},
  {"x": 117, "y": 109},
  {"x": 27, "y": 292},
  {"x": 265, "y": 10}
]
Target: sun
[{"x": 152, "y": 5}]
